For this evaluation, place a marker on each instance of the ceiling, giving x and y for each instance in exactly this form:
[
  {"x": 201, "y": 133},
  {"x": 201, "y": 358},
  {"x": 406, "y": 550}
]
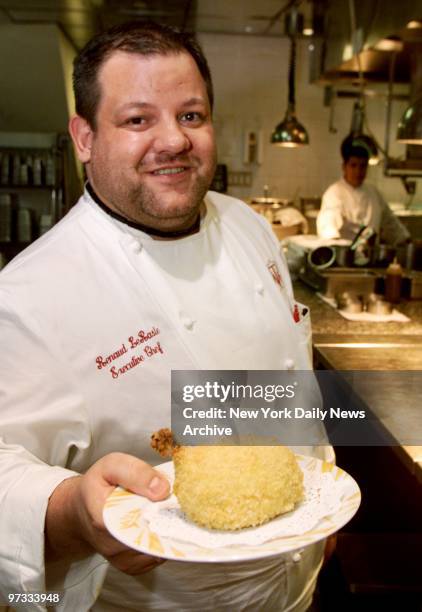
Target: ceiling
[
  {"x": 330, "y": 19},
  {"x": 79, "y": 19}
]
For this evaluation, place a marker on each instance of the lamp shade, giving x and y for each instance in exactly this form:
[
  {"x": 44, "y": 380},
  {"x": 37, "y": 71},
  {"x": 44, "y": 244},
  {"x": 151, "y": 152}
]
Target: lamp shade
[
  {"x": 409, "y": 129},
  {"x": 290, "y": 133},
  {"x": 359, "y": 139},
  {"x": 368, "y": 143}
]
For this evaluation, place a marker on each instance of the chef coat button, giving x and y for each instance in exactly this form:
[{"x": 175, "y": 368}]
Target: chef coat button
[
  {"x": 296, "y": 557},
  {"x": 134, "y": 244},
  {"x": 259, "y": 288},
  {"x": 187, "y": 322},
  {"x": 290, "y": 364}
]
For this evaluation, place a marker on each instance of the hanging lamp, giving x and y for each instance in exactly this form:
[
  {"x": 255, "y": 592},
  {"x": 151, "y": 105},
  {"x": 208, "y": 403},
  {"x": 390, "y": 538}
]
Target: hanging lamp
[
  {"x": 409, "y": 129},
  {"x": 290, "y": 133},
  {"x": 359, "y": 138},
  {"x": 358, "y": 114}
]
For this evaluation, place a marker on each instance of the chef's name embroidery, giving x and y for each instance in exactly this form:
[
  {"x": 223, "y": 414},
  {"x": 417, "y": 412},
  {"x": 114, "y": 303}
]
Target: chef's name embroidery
[{"x": 133, "y": 342}]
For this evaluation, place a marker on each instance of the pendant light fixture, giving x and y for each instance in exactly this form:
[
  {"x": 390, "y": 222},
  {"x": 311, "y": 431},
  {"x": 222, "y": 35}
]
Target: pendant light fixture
[
  {"x": 359, "y": 138},
  {"x": 358, "y": 114},
  {"x": 409, "y": 129},
  {"x": 290, "y": 133}
]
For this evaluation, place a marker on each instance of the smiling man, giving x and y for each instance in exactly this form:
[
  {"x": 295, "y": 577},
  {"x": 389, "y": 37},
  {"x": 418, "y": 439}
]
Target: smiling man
[
  {"x": 150, "y": 155},
  {"x": 351, "y": 202},
  {"x": 148, "y": 272}
]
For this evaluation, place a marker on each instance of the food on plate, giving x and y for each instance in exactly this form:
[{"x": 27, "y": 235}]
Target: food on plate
[{"x": 232, "y": 487}]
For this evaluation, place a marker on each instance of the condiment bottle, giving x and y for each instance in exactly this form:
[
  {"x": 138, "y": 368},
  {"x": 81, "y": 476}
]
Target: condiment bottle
[{"x": 393, "y": 282}]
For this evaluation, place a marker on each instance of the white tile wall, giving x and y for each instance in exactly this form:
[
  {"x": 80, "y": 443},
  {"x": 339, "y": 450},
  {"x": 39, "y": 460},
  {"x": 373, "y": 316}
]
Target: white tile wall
[{"x": 250, "y": 80}]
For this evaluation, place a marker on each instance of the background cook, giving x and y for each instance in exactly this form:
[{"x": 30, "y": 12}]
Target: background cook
[{"x": 351, "y": 202}]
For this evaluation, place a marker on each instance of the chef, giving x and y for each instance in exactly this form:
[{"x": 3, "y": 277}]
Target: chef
[
  {"x": 351, "y": 202},
  {"x": 147, "y": 273}
]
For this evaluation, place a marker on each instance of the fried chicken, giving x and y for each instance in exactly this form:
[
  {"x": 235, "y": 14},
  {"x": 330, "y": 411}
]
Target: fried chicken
[{"x": 232, "y": 487}]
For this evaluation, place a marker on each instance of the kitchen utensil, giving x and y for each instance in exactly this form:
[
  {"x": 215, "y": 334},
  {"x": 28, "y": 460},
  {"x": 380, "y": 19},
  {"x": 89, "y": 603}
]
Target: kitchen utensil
[
  {"x": 362, "y": 237},
  {"x": 322, "y": 257},
  {"x": 332, "y": 281},
  {"x": 415, "y": 288},
  {"x": 349, "y": 302},
  {"x": 344, "y": 256},
  {"x": 379, "y": 306},
  {"x": 383, "y": 254}
]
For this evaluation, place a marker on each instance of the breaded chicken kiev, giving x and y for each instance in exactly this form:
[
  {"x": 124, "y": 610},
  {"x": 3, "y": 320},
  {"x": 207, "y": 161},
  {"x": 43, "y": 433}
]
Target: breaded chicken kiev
[{"x": 232, "y": 487}]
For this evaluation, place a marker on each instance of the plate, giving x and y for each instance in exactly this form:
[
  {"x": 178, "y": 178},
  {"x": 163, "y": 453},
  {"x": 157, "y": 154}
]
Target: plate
[{"x": 131, "y": 519}]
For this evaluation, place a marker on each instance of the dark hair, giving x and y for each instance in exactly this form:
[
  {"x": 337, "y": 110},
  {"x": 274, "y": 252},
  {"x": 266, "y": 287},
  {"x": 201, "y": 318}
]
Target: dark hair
[
  {"x": 142, "y": 37},
  {"x": 353, "y": 146}
]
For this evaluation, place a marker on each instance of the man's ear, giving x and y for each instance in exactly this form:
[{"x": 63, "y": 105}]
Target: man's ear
[{"x": 82, "y": 134}]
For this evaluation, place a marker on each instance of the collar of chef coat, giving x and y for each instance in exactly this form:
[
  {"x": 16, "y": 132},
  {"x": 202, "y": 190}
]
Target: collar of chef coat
[{"x": 206, "y": 213}]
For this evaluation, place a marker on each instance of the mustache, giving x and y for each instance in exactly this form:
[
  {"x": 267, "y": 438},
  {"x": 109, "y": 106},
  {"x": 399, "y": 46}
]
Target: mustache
[{"x": 167, "y": 158}]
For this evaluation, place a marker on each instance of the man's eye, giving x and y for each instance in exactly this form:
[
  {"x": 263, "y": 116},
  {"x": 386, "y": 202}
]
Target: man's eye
[
  {"x": 135, "y": 120},
  {"x": 191, "y": 117}
]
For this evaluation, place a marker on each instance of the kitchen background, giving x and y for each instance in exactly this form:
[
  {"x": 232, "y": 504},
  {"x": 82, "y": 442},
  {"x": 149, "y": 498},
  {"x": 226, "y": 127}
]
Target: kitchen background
[{"x": 248, "y": 47}]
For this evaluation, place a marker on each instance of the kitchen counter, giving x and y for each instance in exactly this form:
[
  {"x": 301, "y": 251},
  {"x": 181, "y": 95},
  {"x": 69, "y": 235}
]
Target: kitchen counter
[
  {"x": 341, "y": 344},
  {"x": 325, "y": 319}
]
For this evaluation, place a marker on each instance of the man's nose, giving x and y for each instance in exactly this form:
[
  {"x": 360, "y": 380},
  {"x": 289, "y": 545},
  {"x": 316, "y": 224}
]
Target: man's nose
[{"x": 171, "y": 138}]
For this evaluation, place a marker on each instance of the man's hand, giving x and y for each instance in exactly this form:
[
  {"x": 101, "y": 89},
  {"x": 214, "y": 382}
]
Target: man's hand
[{"x": 74, "y": 524}]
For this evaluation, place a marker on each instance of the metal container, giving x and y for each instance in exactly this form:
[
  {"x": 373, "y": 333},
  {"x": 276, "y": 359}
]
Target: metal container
[
  {"x": 322, "y": 257},
  {"x": 415, "y": 285},
  {"x": 349, "y": 302},
  {"x": 344, "y": 256},
  {"x": 376, "y": 304},
  {"x": 336, "y": 280}
]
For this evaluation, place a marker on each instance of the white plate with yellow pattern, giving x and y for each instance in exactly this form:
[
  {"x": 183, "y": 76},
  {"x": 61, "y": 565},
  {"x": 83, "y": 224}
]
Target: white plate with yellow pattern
[{"x": 161, "y": 529}]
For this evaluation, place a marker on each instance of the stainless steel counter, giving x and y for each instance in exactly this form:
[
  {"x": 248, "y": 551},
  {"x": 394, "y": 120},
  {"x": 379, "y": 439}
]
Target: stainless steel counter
[
  {"x": 347, "y": 345},
  {"x": 370, "y": 352},
  {"x": 396, "y": 403}
]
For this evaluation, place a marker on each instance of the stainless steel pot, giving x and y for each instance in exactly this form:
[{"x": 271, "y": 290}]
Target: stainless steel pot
[
  {"x": 344, "y": 256},
  {"x": 322, "y": 257}
]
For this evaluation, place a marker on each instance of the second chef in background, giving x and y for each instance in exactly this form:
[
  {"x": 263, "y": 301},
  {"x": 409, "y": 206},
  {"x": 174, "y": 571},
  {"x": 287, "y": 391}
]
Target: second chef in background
[{"x": 350, "y": 202}]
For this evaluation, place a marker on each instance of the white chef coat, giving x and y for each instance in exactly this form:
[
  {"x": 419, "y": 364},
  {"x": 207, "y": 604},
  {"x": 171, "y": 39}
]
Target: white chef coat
[
  {"x": 93, "y": 317},
  {"x": 364, "y": 205}
]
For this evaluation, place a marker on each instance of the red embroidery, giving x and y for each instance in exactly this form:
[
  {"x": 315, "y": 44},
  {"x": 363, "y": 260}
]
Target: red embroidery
[
  {"x": 147, "y": 351},
  {"x": 142, "y": 336},
  {"x": 275, "y": 272}
]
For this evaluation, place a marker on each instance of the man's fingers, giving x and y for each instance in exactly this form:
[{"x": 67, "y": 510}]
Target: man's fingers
[
  {"x": 134, "y": 563},
  {"x": 135, "y": 475}
]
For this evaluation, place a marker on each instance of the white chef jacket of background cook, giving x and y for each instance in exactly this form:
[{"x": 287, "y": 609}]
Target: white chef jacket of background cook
[
  {"x": 71, "y": 307},
  {"x": 363, "y": 205}
]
